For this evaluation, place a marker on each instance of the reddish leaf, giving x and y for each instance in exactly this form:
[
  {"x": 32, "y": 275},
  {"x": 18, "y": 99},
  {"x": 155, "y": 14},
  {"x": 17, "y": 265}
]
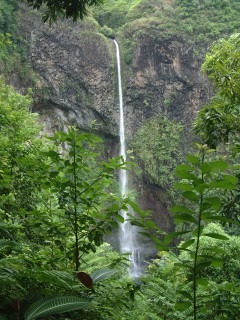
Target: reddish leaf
[{"x": 85, "y": 279}]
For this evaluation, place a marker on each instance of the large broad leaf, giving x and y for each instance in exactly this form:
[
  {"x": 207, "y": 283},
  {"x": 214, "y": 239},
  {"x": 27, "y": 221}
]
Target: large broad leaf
[
  {"x": 45, "y": 307},
  {"x": 184, "y": 217},
  {"x": 202, "y": 265},
  {"x": 202, "y": 282},
  {"x": 182, "y": 305},
  {"x": 230, "y": 178},
  {"x": 102, "y": 274},
  {"x": 170, "y": 236},
  {"x": 220, "y": 165},
  {"x": 193, "y": 159},
  {"x": 185, "y": 175},
  {"x": 183, "y": 186},
  {"x": 205, "y": 168},
  {"x": 217, "y": 263},
  {"x": 210, "y": 217},
  {"x": 222, "y": 184},
  {"x": 216, "y": 236},
  {"x": 185, "y": 293},
  {"x": 181, "y": 209},
  {"x": 214, "y": 202},
  {"x": 184, "y": 167},
  {"x": 191, "y": 196}
]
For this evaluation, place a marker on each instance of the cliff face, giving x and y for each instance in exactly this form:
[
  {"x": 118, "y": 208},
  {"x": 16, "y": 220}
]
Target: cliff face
[
  {"x": 73, "y": 65},
  {"x": 76, "y": 84},
  {"x": 165, "y": 79}
]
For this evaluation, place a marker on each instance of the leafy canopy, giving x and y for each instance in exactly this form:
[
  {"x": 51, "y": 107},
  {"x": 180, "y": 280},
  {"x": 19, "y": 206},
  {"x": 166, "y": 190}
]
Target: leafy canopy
[
  {"x": 219, "y": 120},
  {"x": 54, "y": 9}
]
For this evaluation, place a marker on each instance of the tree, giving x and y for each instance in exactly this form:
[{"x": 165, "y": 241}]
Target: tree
[
  {"x": 54, "y": 9},
  {"x": 219, "y": 120},
  {"x": 222, "y": 64}
]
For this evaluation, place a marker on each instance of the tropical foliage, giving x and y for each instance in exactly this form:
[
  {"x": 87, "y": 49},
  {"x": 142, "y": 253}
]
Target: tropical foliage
[
  {"x": 156, "y": 144},
  {"x": 219, "y": 121},
  {"x": 54, "y": 206}
]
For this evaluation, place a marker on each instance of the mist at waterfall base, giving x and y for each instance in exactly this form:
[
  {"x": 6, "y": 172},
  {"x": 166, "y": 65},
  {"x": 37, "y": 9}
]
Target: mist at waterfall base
[{"x": 127, "y": 233}]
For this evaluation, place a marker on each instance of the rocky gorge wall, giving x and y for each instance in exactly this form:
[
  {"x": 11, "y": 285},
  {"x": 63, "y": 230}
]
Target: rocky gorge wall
[
  {"x": 75, "y": 84},
  {"x": 73, "y": 66}
]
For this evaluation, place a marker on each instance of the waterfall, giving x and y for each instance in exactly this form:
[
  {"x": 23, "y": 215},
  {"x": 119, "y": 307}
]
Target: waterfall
[{"x": 127, "y": 232}]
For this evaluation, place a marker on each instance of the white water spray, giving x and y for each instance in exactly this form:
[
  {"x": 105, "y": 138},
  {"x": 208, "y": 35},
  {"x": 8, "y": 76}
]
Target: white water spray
[{"x": 127, "y": 232}]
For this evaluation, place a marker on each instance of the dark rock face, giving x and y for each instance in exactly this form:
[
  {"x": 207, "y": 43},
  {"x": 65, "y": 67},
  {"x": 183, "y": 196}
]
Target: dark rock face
[
  {"x": 76, "y": 84},
  {"x": 74, "y": 69},
  {"x": 166, "y": 79}
]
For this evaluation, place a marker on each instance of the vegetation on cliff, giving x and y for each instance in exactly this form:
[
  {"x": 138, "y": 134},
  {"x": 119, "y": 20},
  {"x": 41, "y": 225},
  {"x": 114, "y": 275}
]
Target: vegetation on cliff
[
  {"x": 14, "y": 62},
  {"x": 156, "y": 145},
  {"x": 197, "y": 22}
]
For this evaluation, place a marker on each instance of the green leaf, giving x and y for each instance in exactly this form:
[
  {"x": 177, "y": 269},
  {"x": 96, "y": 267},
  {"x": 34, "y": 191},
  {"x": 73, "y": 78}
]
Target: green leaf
[
  {"x": 168, "y": 238},
  {"x": 181, "y": 209},
  {"x": 216, "y": 250},
  {"x": 182, "y": 265},
  {"x": 102, "y": 274},
  {"x": 200, "y": 187},
  {"x": 216, "y": 236},
  {"x": 230, "y": 178},
  {"x": 185, "y": 293},
  {"x": 222, "y": 184},
  {"x": 53, "y": 174},
  {"x": 202, "y": 265},
  {"x": 184, "y": 167},
  {"x": 205, "y": 168},
  {"x": 187, "y": 244},
  {"x": 48, "y": 306},
  {"x": 119, "y": 218},
  {"x": 219, "y": 165},
  {"x": 191, "y": 196},
  {"x": 183, "y": 186},
  {"x": 216, "y": 218},
  {"x": 52, "y": 154},
  {"x": 185, "y": 175},
  {"x": 184, "y": 217},
  {"x": 216, "y": 263},
  {"x": 133, "y": 205},
  {"x": 150, "y": 224},
  {"x": 193, "y": 159},
  {"x": 215, "y": 202},
  {"x": 202, "y": 282},
  {"x": 159, "y": 244},
  {"x": 182, "y": 305}
]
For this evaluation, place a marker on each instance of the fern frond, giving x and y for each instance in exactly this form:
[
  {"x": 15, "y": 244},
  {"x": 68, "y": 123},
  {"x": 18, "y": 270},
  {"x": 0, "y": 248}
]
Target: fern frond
[
  {"x": 55, "y": 305},
  {"x": 102, "y": 274}
]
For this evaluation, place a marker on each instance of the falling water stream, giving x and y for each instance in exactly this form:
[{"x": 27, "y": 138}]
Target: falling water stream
[{"x": 127, "y": 232}]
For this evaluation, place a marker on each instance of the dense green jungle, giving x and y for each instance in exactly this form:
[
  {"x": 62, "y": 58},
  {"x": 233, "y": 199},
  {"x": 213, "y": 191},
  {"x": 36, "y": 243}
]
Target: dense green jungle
[{"x": 59, "y": 196}]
